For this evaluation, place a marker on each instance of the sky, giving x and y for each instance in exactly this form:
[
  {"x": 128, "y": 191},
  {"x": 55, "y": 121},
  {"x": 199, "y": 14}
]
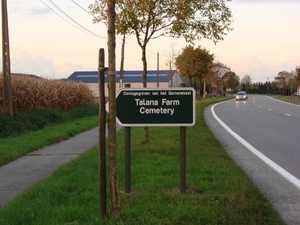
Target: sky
[{"x": 52, "y": 39}]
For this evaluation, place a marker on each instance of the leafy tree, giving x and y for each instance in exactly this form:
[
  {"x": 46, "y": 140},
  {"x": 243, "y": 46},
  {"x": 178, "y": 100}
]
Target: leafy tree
[
  {"x": 298, "y": 73},
  {"x": 246, "y": 82},
  {"x": 149, "y": 19},
  {"x": 275, "y": 86},
  {"x": 282, "y": 80},
  {"x": 255, "y": 88},
  {"x": 292, "y": 82},
  {"x": 216, "y": 74},
  {"x": 231, "y": 80},
  {"x": 194, "y": 63}
]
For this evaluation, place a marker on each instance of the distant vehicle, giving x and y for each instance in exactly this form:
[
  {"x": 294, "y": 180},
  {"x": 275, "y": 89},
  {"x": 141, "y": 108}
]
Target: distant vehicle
[
  {"x": 241, "y": 96},
  {"x": 296, "y": 94},
  {"x": 246, "y": 94}
]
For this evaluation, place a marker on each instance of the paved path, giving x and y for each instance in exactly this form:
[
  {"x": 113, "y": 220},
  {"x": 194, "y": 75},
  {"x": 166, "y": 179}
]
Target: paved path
[{"x": 22, "y": 173}]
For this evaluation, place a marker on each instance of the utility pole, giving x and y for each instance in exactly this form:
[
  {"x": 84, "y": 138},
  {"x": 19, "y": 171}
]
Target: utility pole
[
  {"x": 7, "y": 96},
  {"x": 157, "y": 76},
  {"x": 122, "y": 63}
]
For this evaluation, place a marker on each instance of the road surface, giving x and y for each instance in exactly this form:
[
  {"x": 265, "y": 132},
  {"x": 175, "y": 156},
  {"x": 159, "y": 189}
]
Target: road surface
[{"x": 263, "y": 136}]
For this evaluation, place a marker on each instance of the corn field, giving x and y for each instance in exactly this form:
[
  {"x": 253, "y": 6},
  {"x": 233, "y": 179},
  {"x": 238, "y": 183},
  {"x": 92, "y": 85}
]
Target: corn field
[{"x": 37, "y": 93}]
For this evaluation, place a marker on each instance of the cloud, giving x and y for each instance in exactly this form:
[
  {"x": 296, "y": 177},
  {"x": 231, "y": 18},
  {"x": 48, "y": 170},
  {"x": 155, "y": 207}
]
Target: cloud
[
  {"x": 24, "y": 8},
  {"x": 24, "y": 62},
  {"x": 38, "y": 11},
  {"x": 259, "y": 70}
]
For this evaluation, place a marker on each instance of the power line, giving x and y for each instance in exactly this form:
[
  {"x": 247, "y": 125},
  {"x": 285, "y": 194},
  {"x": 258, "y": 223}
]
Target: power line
[
  {"x": 133, "y": 42},
  {"x": 82, "y": 8},
  {"x": 75, "y": 23}
]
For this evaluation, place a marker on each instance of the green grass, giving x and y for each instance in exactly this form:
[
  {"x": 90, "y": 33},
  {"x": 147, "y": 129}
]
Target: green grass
[
  {"x": 293, "y": 99},
  {"x": 32, "y": 120},
  {"x": 14, "y": 147},
  {"x": 218, "y": 191}
]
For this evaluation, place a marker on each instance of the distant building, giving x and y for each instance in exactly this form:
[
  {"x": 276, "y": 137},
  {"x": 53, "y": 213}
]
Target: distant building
[
  {"x": 27, "y": 75},
  {"x": 161, "y": 79}
]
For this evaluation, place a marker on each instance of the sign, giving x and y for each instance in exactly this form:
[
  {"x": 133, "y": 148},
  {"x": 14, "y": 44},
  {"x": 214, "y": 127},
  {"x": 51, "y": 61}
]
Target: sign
[{"x": 155, "y": 107}]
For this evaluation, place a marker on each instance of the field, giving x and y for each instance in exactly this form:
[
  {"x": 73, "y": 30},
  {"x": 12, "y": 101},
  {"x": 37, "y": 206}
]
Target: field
[{"x": 30, "y": 92}]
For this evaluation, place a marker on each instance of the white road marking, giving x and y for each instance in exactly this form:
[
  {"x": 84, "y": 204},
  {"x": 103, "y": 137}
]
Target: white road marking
[
  {"x": 287, "y": 114},
  {"x": 268, "y": 161}
]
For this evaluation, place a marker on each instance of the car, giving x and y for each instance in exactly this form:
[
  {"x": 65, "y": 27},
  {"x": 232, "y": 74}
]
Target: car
[
  {"x": 246, "y": 94},
  {"x": 241, "y": 96}
]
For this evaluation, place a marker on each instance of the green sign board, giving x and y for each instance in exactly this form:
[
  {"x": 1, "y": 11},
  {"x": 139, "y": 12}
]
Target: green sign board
[{"x": 156, "y": 107}]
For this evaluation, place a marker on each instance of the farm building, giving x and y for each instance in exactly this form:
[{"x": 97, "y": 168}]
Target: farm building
[{"x": 161, "y": 79}]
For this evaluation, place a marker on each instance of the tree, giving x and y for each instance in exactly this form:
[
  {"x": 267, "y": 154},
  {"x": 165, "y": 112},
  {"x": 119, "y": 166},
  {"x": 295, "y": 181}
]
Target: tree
[
  {"x": 246, "y": 81},
  {"x": 216, "y": 74},
  {"x": 113, "y": 167},
  {"x": 292, "y": 81},
  {"x": 298, "y": 73},
  {"x": 194, "y": 63},
  {"x": 170, "y": 62},
  {"x": 275, "y": 86},
  {"x": 149, "y": 19},
  {"x": 282, "y": 80},
  {"x": 231, "y": 80}
]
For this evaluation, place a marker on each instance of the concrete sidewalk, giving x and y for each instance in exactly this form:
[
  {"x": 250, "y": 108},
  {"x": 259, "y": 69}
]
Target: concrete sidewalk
[{"x": 18, "y": 175}]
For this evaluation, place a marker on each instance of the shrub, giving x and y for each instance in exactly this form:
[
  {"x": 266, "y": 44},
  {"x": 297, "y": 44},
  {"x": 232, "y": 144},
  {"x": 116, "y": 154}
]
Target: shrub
[{"x": 32, "y": 120}]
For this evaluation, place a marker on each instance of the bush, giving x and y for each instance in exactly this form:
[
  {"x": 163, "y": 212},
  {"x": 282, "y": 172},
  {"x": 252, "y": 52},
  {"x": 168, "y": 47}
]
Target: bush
[{"x": 32, "y": 120}]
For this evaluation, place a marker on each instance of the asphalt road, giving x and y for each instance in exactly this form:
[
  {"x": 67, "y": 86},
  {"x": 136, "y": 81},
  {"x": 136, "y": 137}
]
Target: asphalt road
[
  {"x": 270, "y": 126},
  {"x": 262, "y": 136}
]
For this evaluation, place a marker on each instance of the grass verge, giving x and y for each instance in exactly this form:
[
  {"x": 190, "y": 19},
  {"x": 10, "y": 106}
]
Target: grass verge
[
  {"x": 290, "y": 99},
  {"x": 218, "y": 191},
  {"x": 14, "y": 147}
]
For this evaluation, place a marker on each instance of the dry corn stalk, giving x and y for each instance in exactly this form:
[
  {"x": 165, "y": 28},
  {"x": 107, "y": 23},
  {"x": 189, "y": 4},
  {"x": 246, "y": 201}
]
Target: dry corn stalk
[{"x": 36, "y": 93}]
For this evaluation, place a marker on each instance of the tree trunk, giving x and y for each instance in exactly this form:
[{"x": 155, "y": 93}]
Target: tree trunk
[
  {"x": 204, "y": 89},
  {"x": 199, "y": 84},
  {"x": 198, "y": 91},
  {"x": 113, "y": 167},
  {"x": 144, "y": 80}
]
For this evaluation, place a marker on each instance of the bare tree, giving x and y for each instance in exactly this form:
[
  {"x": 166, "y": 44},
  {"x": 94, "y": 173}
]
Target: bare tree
[{"x": 171, "y": 58}]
